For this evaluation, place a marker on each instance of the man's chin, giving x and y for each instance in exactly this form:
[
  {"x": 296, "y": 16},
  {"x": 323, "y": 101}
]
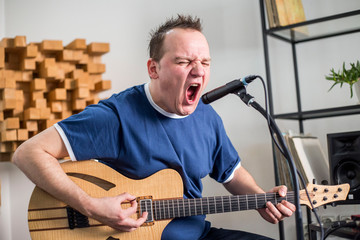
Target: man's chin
[{"x": 189, "y": 109}]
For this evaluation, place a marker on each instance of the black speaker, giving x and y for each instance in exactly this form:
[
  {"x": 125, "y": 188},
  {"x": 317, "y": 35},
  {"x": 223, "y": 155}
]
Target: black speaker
[{"x": 344, "y": 161}]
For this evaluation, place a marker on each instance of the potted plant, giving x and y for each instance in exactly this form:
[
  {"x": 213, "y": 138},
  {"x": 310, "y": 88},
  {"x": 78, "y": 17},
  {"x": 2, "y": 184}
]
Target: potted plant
[{"x": 350, "y": 76}]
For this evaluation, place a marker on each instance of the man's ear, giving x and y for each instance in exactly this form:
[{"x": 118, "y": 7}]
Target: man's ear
[{"x": 152, "y": 68}]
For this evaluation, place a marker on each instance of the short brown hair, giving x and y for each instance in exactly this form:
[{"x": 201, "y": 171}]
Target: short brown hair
[{"x": 158, "y": 35}]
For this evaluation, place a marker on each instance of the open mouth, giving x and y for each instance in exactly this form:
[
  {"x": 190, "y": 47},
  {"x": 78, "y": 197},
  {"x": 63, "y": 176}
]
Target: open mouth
[{"x": 192, "y": 92}]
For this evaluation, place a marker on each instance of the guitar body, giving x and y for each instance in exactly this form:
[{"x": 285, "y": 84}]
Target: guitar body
[
  {"x": 159, "y": 194},
  {"x": 48, "y": 219}
]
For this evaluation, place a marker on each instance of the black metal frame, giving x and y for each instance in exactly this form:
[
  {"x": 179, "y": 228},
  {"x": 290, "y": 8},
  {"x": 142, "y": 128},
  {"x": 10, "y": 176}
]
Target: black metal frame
[{"x": 300, "y": 115}]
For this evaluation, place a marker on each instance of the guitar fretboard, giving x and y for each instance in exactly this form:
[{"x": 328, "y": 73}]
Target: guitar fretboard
[{"x": 171, "y": 208}]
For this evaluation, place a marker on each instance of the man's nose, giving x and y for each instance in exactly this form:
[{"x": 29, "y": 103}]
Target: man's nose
[{"x": 197, "y": 69}]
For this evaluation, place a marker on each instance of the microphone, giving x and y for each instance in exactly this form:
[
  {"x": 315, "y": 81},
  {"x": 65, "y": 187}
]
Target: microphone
[{"x": 230, "y": 87}]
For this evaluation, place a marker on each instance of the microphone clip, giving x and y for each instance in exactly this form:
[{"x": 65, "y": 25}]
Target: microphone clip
[{"x": 244, "y": 96}]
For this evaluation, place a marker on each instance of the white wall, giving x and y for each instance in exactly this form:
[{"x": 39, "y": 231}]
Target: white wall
[{"x": 233, "y": 30}]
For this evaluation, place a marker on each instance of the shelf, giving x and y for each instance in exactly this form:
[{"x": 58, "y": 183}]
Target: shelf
[
  {"x": 322, "y": 113},
  {"x": 318, "y": 28}
]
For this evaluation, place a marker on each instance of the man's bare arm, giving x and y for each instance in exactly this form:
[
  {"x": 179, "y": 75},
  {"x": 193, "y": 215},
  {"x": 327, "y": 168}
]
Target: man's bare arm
[{"x": 38, "y": 159}]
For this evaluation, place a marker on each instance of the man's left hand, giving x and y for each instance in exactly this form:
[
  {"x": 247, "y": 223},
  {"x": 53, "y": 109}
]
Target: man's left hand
[{"x": 275, "y": 213}]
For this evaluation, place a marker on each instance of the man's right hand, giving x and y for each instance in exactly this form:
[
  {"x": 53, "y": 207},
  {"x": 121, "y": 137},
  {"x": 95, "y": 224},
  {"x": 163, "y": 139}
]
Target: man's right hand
[{"x": 109, "y": 211}]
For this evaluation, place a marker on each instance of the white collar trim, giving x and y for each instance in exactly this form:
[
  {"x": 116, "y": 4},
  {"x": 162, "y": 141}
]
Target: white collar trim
[{"x": 157, "y": 108}]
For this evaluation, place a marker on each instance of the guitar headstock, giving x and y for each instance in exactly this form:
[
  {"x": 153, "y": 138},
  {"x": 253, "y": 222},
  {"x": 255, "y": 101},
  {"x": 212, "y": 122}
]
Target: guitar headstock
[{"x": 324, "y": 194}]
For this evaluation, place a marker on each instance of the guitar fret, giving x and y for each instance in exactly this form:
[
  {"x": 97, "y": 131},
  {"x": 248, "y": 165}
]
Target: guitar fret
[
  {"x": 201, "y": 206},
  {"x": 156, "y": 210},
  {"x": 169, "y": 215},
  {"x": 207, "y": 199},
  {"x": 222, "y": 203},
  {"x": 194, "y": 206},
  {"x": 247, "y": 203},
  {"x": 163, "y": 209},
  {"x": 178, "y": 208},
  {"x": 256, "y": 205},
  {"x": 174, "y": 205},
  {"x": 230, "y": 204},
  {"x": 238, "y": 202}
]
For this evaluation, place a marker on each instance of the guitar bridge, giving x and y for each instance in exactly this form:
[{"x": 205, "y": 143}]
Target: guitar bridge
[
  {"x": 76, "y": 219},
  {"x": 145, "y": 205}
]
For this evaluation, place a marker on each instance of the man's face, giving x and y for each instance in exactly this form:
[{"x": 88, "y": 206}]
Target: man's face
[{"x": 182, "y": 73}]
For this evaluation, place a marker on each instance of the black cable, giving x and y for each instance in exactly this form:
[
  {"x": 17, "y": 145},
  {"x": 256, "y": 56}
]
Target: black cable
[
  {"x": 341, "y": 224},
  {"x": 283, "y": 153}
]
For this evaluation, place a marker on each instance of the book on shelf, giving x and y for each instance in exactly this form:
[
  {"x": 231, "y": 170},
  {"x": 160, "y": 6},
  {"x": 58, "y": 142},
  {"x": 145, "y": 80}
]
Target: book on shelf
[
  {"x": 309, "y": 159},
  {"x": 286, "y": 12}
]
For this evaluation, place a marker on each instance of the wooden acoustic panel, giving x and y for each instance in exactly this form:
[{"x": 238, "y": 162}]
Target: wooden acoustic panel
[{"x": 43, "y": 83}]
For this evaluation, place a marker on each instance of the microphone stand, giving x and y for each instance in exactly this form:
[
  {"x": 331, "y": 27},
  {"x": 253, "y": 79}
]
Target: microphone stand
[{"x": 249, "y": 101}]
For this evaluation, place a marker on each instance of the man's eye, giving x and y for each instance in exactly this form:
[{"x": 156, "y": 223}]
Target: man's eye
[
  {"x": 205, "y": 63},
  {"x": 184, "y": 62}
]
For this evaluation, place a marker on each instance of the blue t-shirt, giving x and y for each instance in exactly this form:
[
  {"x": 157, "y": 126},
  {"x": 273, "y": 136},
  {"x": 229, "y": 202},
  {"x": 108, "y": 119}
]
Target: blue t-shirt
[{"x": 127, "y": 133}]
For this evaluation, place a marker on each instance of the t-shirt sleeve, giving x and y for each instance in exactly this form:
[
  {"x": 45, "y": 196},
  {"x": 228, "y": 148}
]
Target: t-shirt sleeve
[
  {"x": 226, "y": 158},
  {"x": 92, "y": 133}
]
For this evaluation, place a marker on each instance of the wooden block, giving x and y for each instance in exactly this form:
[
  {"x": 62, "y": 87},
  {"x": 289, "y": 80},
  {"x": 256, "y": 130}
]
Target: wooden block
[
  {"x": 71, "y": 55},
  {"x": 85, "y": 59},
  {"x": 28, "y": 64},
  {"x": 22, "y": 134},
  {"x": 80, "y": 82},
  {"x": 103, "y": 85},
  {"x": 81, "y": 92},
  {"x": 95, "y": 68},
  {"x": 77, "y": 44},
  {"x": 8, "y": 93},
  {"x": 27, "y": 76},
  {"x": 51, "y": 45},
  {"x": 7, "y": 43},
  {"x": 95, "y": 78},
  {"x": 32, "y": 114},
  {"x": 7, "y": 83},
  {"x": 31, "y": 51},
  {"x": 20, "y": 42},
  {"x": 31, "y": 125},
  {"x": 57, "y": 94},
  {"x": 56, "y": 106},
  {"x": 38, "y": 84},
  {"x": 39, "y": 103},
  {"x": 19, "y": 106},
  {"x": 48, "y": 68},
  {"x": 10, "y": 123},
  {"x": 19, "y": 95},
  {"x": 66, "y": 105},
  {"x": 36, "y": 95},
  {"x": 2, "y": 57},
  {"x": 1, "y": 116},
  {"x": 65, "y": 114},
  {"x": 78, "y": 104},
  {"x": 97, "y": 48},
  {"x": 7, "y": 104},
  {"x": 45, "y": 113},
  {"x": 8, "y": 135},
  {"x": 49, "y": 62},
  {"x": 77, "y": 73}
]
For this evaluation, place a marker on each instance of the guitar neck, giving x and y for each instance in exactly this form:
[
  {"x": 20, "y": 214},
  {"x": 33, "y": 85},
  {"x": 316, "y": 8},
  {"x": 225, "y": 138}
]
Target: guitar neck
[{"x": 171, "y": 208}]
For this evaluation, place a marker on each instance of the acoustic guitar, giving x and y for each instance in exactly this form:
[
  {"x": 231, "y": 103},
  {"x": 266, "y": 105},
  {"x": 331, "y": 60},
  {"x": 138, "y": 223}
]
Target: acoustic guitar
[{"x": 159, "y": 194}]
